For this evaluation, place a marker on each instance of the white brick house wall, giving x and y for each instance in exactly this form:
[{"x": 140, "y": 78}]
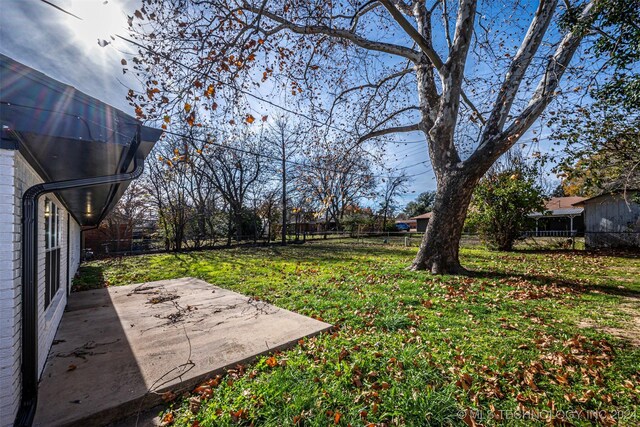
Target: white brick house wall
[
  {"x": 16, "y": 175},
  {"x": 9, "y": 291}
]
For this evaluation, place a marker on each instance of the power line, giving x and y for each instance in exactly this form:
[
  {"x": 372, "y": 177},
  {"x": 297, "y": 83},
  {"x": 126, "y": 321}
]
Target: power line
[
  {"x": 244, "y": 92},
  {"x": 61, "y": 9},
  {"x": 291, "y": 162},
  {"x": 297, "y": 113},
  {"x": 205, "y": 141}
]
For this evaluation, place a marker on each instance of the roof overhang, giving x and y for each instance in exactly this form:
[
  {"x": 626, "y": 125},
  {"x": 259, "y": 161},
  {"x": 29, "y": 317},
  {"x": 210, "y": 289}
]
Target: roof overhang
[
  {"x": 557, "y": 213},
  {"x": 65, "y": 134},
  {"x": 427, "y": 215}
]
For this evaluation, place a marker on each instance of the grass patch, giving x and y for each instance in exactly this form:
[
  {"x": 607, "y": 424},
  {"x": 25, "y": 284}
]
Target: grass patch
[{"x": 411, "y": 348}]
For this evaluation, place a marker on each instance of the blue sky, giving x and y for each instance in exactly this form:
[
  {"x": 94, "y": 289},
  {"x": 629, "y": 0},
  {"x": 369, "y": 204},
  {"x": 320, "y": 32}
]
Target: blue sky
[{"x": 66, "y": 49}]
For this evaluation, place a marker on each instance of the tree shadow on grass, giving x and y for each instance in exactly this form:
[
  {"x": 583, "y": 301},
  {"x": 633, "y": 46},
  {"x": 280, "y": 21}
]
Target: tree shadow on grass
[
  {"x": 88, "y": 277},
  {"x": 612, "y": 253},
  {"x": 573, "y": 285}
]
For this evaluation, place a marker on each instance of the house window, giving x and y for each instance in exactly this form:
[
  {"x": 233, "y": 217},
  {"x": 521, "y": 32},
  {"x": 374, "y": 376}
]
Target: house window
[{"x": 52, "y": 250}]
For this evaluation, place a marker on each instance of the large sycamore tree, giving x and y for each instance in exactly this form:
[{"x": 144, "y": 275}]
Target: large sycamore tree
[{"x": 471, "y": 77}]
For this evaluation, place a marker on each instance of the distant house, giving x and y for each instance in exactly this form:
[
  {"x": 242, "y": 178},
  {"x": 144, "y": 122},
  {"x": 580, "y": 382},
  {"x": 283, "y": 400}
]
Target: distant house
[
  {"x": 412, "y": 223},
  {"x": 65, "y": 160},
  {"x": 561, "y": 217},
  {"x": 106, "y": 239},
  {"x": 119, "y": 237},
  {"x": 612, "y": 220},
  {"x": 422, "y": 221}
]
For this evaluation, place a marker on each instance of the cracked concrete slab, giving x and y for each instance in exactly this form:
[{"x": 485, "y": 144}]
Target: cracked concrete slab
[{"x": 118, "y": 349}]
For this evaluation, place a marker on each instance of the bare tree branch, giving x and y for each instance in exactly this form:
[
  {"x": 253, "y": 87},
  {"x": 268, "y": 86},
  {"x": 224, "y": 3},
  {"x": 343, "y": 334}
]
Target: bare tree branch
[
  {"x": 368, "y": 7},
  {"x": 395, "y": 114},
  {"x": 360, "y": 41},
  {"x": 403, "y": 6},
  {"x": 425, "y": 45},
  {"x": 387, "y": 131},
  {"x": 494, "y": 146},
  {"x": 452, "y": 85},
  {"x": 445, "y": 22},
  {"x": 369, "y": 85},
  {"x": 519, "y": 65}
]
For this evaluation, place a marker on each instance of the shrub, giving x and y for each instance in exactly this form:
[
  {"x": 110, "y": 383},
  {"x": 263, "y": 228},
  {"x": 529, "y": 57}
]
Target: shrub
[{"x": 501, "y": 204}]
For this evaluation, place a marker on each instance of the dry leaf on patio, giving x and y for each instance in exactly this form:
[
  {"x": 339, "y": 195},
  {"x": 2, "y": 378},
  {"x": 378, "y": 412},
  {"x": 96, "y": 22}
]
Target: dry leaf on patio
[{"x": 168, "y": 396}]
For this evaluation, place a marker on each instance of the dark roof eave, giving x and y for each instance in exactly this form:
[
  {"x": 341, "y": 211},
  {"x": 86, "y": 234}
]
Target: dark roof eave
[{"x": 65, "y": 134}]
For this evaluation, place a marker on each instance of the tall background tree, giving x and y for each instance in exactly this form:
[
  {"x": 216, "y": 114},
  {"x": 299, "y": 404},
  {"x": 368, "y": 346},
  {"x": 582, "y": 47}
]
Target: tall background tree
[
  {"x": 285, "y": 137},
  {"x": 392, "y": 188},
  {"x": 600, "y": 135},
  {"x": 131, "y": 212},
  {"x": 602, "y": 150},
  {"x": 393, "y": 66},
  {"x": 422, "y": 204},
  {"x": 337, "y": 179}
]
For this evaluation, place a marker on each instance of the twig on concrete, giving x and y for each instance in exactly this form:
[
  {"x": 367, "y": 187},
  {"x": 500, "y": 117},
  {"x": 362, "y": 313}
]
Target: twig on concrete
[{"x": 85, "y": 349}]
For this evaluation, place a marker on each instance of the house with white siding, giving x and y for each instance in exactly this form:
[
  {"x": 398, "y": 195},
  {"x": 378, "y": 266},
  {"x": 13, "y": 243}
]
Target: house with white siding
[
  {"x": 561, "y": 217},
  {"x": 65, "y": 160}
]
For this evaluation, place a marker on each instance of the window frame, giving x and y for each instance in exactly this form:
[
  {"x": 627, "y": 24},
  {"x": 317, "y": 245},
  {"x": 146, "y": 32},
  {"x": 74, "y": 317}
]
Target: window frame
[{"x": 53, "y": 249}]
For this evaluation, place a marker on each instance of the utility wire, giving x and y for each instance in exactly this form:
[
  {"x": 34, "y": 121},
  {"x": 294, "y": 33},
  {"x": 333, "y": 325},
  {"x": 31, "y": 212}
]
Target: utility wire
[
  {"x": 244, "y": 92},
  {"x": 291, "y": 162},
  {"x": 297, "y": 113},
  {"x": 115, "y": 132}
]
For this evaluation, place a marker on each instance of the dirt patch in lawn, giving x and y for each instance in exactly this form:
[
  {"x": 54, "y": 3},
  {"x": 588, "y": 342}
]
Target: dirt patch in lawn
[{"x": 630, "y": 329}]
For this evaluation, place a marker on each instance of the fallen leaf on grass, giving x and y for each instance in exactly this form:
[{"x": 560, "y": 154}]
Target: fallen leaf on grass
[
  {"x": 204, "y": 391},
  {"x": 469, "y": 420},
  {"x": 194, "y": 404},
  {"x": 271, "y": 361},
  {"x": 562, "y": 379},
  {"x": 465, "y": 382},
  {"x": 238, "y": 415},
  {"x": 168, "y": 419}
]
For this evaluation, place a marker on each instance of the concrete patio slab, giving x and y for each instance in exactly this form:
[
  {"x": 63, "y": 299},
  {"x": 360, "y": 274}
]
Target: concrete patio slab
[{"x": 118, "y": 349}]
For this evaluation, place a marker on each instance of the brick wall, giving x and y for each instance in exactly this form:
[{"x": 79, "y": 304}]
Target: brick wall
[
  {"x": 9, "y": 292},
  {"x": 16, "y": 175}
]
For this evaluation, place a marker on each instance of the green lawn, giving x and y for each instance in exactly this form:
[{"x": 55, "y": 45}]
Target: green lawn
[{"x": 413, "y": 349}]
